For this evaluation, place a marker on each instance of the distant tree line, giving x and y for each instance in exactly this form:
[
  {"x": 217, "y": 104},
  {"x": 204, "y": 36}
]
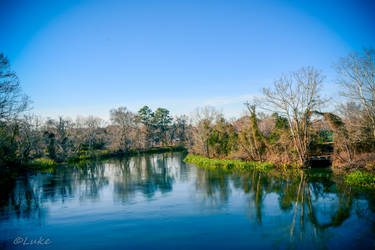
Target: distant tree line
[
  {"x": 25, "y": 136},
  {"x": 288, "y": 124}
]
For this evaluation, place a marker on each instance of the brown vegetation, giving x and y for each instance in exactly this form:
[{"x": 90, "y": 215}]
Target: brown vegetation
[{"x": 293, "y": 129}]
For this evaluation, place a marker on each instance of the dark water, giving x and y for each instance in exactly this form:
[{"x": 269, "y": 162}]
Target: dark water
[{"x": 159, "y": 202}]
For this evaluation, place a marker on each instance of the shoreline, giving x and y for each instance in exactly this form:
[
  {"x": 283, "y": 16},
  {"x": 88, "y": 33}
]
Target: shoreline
[
  {"x": 355, "y": 178},
  {"x": 13, "y": 171},
  {"x": 359, "y": 179},
  {"x": 41, "y": 163}
]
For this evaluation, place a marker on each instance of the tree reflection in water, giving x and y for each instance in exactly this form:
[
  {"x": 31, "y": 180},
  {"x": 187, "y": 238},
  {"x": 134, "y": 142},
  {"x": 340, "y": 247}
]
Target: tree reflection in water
[
  {"x": 213, "y": 186},
  {"x": 18, "y": 199},
  {"x": 26, "y": 195},
  {"x": 291, "y": 208},
  {"x": 147, "y": 174},
  {"x": 316, "y": 201}
]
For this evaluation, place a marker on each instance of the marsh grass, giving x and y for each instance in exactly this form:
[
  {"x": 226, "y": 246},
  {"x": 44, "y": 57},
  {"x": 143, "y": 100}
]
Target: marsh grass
[
  {"x": 41, "y": 163},
  {"x": 205, "y": 162},
  {"x": 361, "y": 179}
]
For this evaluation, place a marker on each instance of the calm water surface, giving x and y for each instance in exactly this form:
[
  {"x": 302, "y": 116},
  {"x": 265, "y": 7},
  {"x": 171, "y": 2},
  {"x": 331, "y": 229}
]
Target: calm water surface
[{"x": 159, "y": 202}]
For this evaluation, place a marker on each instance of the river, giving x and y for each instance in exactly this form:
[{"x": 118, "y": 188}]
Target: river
[{"x": 158, "y": 202}]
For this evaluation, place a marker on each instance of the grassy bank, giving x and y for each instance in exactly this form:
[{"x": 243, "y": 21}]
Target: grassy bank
[
  {"x": 357, "y": 179},
  {"x": 42, "y": 163},
  {"x": 205, "y": 162},
  {"x": 361, "y": 179}
]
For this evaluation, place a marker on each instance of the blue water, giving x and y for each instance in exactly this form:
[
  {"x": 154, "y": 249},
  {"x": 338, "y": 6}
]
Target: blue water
[{"x": 159, "y": 202}]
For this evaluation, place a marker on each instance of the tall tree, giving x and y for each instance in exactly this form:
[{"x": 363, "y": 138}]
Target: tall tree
[
  {"x": 357, "y": 79},
  {"x": 12, "y": 103},
  {"x": 57, "y": 134},
  {"x": 146, "y": 116},
  {"x": 295, "y": 96},
  {"x": 204, "y": 119},
  {"x": 162, "y": 121},
  {"x": 123, "y": 118},
  {"x": 12, "y": 100},
  {"x": 93, "y": 129},
  {"x": 257, "y": 139},
  {"x": 179, "y": 130}
]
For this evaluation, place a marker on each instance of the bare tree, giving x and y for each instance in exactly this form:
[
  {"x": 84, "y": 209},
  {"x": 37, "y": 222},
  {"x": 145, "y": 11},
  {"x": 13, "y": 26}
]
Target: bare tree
[
  {"x": 357, "y": 78},
  {"x": 123, "y": 118},
  {"x": 295, "y": 96},
  {"x": 29, "y": 137},
  {"x": 204, "y": 119},
  {"x": 12, "y": 104},
  {"x": 12, "y": 101},
  {"x": 93, "y": 126}
]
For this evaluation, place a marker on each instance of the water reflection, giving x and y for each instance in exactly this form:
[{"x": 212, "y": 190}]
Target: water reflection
[
  {"x": 298, "y": 209},
  {"x": 19, "y": 200},
  {"x": 213, "y": 187},
  {"x": 312, "y": 202},
  {"x": 147, "y": 174}
]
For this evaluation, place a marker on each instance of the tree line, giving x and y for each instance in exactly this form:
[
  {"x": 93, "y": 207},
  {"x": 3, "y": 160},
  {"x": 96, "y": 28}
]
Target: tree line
[
  {"x": 25, "y": 136},
  {"x": 289, "y": 123}
]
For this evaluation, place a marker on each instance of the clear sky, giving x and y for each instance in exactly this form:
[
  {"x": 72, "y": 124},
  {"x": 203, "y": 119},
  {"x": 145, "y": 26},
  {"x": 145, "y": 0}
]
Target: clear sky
[{"x": 86, "y": 57}]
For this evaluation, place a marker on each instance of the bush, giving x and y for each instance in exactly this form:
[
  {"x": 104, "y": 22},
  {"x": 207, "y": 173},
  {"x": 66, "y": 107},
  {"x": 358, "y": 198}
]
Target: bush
[
  {"x": 202, "y": 161},
  {"x": 361, "y": 179},
  {"x": 42, "y": 163}
]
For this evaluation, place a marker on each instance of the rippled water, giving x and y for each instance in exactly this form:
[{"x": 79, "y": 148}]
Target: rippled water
[{"x": 159, "y": 202}]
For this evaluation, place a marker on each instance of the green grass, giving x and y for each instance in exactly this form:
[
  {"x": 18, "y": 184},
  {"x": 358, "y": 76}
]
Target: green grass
[
  {"x": 205, "y": 162},
  {"x": 361, "y": 179},
  {"x": 41, "y": 163},
  {"x": 85, "y": 155}
]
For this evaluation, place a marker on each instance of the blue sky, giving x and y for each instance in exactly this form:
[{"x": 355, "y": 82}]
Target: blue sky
[{"x": 86, "y": 57}]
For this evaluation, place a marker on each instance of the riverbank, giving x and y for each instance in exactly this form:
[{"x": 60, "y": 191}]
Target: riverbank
[
  {"x": 41, "y": 163},
  {"x": 205, "y": 162},
  {"x": 358, "y": 179}
]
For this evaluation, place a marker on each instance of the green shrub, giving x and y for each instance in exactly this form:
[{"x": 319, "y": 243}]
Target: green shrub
[
  {"x": 205, "y": 162},
  {"x": 361, "y": 179},
  {"x": 42, "y": 163}
]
